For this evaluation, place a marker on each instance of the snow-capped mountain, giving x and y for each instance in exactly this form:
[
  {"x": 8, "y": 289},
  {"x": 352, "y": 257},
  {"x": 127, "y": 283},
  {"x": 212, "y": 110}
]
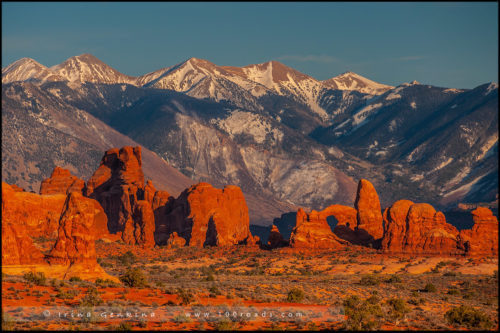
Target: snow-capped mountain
[
  {"x": 279, "y": 134},
  {"x": 204, "y": 80},
  {"x": 285, "y": 81},
  {"x": 27, "y": 69},
  {"x": 87, "y": 68},
  {"x": 243, "y": 87},
  {"x": 353, "y": 81}
]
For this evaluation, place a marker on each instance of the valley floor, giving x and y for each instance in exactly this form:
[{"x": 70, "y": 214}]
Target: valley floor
[{"x": 245, "y": 288}]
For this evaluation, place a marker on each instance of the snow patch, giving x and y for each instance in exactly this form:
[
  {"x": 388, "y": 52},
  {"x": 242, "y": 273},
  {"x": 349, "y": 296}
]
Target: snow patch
[
  {"x": 491, "y": 87},
  {"x": 249, "y": 123}
]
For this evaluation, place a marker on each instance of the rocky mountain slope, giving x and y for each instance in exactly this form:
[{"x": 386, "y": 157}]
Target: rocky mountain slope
[{"x": 284, "y": 137}]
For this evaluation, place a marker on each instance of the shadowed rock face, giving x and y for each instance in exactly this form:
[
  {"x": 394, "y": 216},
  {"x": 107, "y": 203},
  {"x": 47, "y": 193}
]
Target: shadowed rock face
[
  {"x": 313, "y": 231},
  {"x": 482, "y": 239},
  {"x": 276, "y": 239},
  {"x": 118, "y": 184},
  {"x": 140, "y": 229},
  {"x": 369, "y": 227},
  {"x": 207, "y": 216},
  {"x": 62, "y": 182}
]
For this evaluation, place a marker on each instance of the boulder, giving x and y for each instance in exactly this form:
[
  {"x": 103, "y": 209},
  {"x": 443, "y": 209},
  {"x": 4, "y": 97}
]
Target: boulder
[
  {"x": 61, "y": 182},
  {"x": 369, "y": 217},
  {"x": 482, "y": 239}
]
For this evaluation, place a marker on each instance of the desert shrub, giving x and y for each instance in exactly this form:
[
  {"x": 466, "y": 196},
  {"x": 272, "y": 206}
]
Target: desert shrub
[
  {"x": 453, "y": 291},
  {"x": 295, "y": 295},
  {"x": 393, "y": 279},
  {"x": 469, "y": 317},
  {"x": 68, "y": 294},
  {"x": 128, "y": 258},
  {"x": 214, "y": 291},
  {"x": 450, "y": 273},
  {"x": 185, "y": 296},
  {"x": 124, "y": 327},
  {"x": 362, "y": 315},
  {"x": 91, "y": 298},
  {"x": 7, "y": 322},
  {"x": 75, "y": 279},
  {"x": 37, "y": 278},
  {"x": 182, "y": 319},
  {"x": 398, "y": 307},
  {"x": 134, "y": 277},
  {"x": 224, "y": 325},
  {"x": 430, "y": 288},
  {"x": 369, "y": 280}
]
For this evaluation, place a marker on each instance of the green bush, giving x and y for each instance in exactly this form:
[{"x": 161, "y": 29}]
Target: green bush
[
  {"x": 295, "y": 295},
  {"x": 75, "y": 279},
  {"x": 469, "y": 317},
  {"x": 134, "y": 277},
  {"x": 37, "y": 278}
]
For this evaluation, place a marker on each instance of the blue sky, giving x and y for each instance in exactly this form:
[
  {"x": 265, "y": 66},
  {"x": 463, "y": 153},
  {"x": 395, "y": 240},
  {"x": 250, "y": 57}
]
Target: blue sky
[{"x": 443, "y": 44}]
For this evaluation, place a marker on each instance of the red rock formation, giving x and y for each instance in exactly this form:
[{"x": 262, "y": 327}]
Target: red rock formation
[
  {"x": 161, "y": 205},
  {"x": 175, "y": 241},
  {"x": 38, "y": 215},
  {"x": 18, "y": 247},
  {"x": 482, "y": 239},
  {"x": 140, "y": 229},
  {"x": 369, "y": 226},
  {"x": 418, "y": 229},
  {"x": 76, "y": 235},
  {"x": 346, "y": 218},
  {"x": 395, "y": 226},
  {"x": 428, "y": 233},
  {"x": 149, "y": 191},
  {"x": 276, "y": 239},
  {"x": 61, "y": 182},
  {"x": 313, "y": 231},
  {"x": 118, "y": 184},
  {"x": 207, "y": 216}
]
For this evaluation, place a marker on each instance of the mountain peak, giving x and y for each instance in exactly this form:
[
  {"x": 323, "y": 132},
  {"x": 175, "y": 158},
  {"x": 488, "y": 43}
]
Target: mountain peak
[
  {"x": 353, "y": 81},
  {"x": 88, "y": 68},
  {"x": 26, "y": 69}
]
